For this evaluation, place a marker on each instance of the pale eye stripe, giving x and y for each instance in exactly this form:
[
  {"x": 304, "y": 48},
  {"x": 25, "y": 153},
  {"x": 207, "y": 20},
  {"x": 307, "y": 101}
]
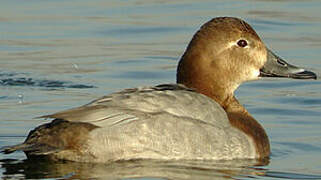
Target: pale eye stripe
[
  {"x": 234, "y": 43},
  {"x": 231, "y": 44}
]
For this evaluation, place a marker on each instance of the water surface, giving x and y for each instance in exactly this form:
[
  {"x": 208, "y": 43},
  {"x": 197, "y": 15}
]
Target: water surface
[{"x": 61, "y": 54}]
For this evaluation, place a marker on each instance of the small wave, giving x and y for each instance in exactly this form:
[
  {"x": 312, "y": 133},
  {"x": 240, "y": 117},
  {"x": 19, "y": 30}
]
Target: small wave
[
  {"x": 22, "y": 81},
  {"x": 288, "y": 175}
]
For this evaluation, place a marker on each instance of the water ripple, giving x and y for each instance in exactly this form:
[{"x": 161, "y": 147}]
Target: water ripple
[
  {"x": 21, "y": 81},
  {"x": 284, "y": 112},
  {"x": 300, "y": 146},
  {"x": 141, "y": 75},
  {"x": 287, "y": 175}
]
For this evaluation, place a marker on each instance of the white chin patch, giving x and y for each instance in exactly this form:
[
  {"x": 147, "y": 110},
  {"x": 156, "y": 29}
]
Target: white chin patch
[{"x": 255, "y": 74}]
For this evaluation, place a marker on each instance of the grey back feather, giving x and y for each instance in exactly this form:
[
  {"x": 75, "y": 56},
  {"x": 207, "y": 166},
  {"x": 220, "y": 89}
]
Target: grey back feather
[{"x": 137, "y": 103}]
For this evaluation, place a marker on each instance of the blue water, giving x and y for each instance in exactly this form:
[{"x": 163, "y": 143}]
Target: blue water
[{"x": 56, "y": 55}]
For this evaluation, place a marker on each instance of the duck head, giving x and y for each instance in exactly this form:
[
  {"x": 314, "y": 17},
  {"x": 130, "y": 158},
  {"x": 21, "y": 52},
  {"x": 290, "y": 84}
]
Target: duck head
[{"x": 226, "y": 52}]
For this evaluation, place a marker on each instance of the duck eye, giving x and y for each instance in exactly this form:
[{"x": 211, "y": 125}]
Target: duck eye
[{"x": 242, "y": 43}]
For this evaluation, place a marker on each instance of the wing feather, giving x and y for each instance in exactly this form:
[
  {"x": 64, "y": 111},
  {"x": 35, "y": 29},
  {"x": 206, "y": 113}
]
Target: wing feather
[{"x": 141, "y": 103}]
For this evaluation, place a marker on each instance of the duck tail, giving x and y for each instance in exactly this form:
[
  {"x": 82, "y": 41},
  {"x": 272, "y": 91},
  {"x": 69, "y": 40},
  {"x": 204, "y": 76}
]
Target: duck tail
[
  {"x": 11, "y": 149},
  {"x": 30, "y": 149},
  {"x": 53, "y": 137}
]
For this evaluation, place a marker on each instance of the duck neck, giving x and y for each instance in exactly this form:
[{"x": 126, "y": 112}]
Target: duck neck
[
  {"x": 192, "y": 71},
  {"x": 241, "y": 119},
  {"x": 238, "y": 116},
  {"x": 219, "y": 93}
]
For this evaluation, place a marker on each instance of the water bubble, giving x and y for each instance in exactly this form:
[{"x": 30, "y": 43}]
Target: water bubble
[
  {"x": 75, "y": 66},
  {"x": 20, "y": 97}
]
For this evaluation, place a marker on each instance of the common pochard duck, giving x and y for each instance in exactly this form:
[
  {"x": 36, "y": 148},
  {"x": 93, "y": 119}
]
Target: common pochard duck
[{"x": 196, "y": 118}]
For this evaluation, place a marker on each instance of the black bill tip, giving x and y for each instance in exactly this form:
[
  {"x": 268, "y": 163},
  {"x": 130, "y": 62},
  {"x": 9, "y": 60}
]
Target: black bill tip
[
  {"x": 299, "y": 75},
  {"x": 304, "y": 75}
]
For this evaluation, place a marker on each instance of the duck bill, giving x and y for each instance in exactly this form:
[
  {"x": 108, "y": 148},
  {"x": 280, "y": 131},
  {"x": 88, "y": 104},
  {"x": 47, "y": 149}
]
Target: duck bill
[{"x": 277, "y": 67}]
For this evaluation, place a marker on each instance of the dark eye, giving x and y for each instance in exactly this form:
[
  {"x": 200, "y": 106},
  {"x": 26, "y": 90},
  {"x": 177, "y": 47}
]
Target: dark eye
[{"x": 242, "y": 43}]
